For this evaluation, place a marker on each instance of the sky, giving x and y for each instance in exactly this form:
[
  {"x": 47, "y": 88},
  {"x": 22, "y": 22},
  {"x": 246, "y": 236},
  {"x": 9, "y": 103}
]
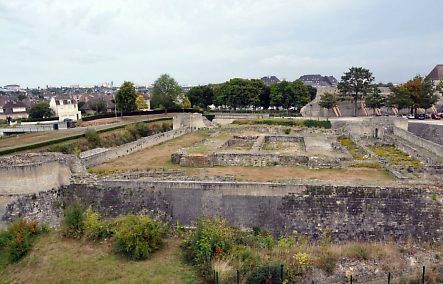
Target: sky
[{"x": 87, "y": 42}]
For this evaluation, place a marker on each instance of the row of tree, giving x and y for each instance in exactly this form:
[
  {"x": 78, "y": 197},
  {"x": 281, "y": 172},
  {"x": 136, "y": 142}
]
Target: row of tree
[
  {"x": 357, "y": 84},
  {"x": 242, "y": 93}
]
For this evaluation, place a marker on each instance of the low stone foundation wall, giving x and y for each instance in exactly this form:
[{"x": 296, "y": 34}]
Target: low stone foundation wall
[{"x": 347, "y": 212}]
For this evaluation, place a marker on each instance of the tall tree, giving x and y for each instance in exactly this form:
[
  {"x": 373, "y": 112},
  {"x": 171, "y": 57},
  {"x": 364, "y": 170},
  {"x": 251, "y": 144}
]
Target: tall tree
[
  {"x": 201, "y": 96},
  {"x": 375, "y": 99},
  {"x": 126, "y": 97},
  {"x": 40, "y": 110},
  {"x": 289, "y": 94},
  {"x": 415, "y": 93},
  {"x": 356, "y": 83},
  {"x": 312, "y": 92},
  {"x": 282, "y": 94},
  {"x": 237, "y": 93},
  {"x": 328, "y": 101},
  {"x": 301, "y": 94},
  {"x": 264, "y": 93},
  {"x": 165, "y": 92}
]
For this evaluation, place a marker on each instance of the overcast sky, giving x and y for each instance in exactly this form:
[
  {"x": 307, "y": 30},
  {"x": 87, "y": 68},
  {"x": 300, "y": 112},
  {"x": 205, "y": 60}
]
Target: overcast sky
[{"x": 86, "y": 42}]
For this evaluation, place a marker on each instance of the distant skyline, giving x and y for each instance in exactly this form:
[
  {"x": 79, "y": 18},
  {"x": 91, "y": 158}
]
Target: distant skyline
[{"x": 87, "y": 42}]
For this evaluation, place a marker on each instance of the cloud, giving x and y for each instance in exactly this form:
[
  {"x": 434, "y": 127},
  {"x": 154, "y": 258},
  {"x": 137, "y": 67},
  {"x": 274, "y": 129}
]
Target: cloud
[{"x": 201, "y": 41}]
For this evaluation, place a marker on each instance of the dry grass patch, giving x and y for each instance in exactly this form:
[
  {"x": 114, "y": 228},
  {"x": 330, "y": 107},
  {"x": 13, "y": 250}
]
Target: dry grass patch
[
  {"x": 58, "y": 260},
  {"x": 158, "y": 156},
  {"x": 263, "y": 174}
]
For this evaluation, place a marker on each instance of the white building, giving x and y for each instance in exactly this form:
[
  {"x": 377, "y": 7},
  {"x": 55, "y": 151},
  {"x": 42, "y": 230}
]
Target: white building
[
  {"x": 65, "y": 109},
  {"x": 11, "y": 88}
]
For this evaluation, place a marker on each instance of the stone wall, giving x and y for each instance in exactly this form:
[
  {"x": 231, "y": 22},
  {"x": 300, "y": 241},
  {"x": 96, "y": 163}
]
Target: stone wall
[
  {"x": 366, "y": 127},
  {"x": 431, "y": 132},
  {"x": 28, "y": 173},
  {"x": 430, "y": 146},
  {"x": 188, "y": 120},
  {"x": 96, "y": 157},
  {"x": 349, "y": 213}
]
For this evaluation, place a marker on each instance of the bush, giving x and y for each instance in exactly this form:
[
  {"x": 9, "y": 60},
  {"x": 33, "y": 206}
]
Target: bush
[
  {"x": 138, "y": 236},
  {"x": 286, "y": 122},
  {"x": 93, "y": 137},
  {"x": 93, "y": 228},
  {"x": 317, "y": 123},
  {"x": 260, "y": 274},
  {"x": 73, "y": 221},
  {"x": 19, "y": 238}
]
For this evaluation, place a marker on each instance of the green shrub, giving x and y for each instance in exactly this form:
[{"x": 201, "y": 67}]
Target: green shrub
[
  {"x": 287, "y": 131},
  {"x": 317, "y": 123},
  {"x": 93, "y": 137},
  {"x": 143, "y": 129},
  {"x": 285, "y": 122},
  {"x": 212, "y": 238},
  {"x": 138, "y": 236},
  {"x": 93, "y": 228},
  {"x": 260, "y": 274},
  {"x": 73, "y": 221},
  {"x": 17, "y": 241}
]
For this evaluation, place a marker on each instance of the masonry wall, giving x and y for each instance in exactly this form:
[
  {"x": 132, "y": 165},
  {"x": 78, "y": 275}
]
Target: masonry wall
[
  {"x": 349, "y": 213},
  {"x": 431, "y": 132},
  {"x": 432, "y": 147},
  {"x": 98, "y": 157}
]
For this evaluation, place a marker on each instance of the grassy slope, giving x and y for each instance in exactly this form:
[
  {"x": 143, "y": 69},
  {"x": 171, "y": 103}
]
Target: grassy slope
[{"x": 57, "y": 260}]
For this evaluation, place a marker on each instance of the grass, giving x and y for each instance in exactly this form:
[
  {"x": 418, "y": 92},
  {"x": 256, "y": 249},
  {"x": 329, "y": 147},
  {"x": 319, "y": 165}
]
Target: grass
[
  {"x": 155, "y": 157},
  {"x": 371, "y": 165},
  {"x": 356, "y": 152},
  {"x": 286, "y": 122},
  {"x": 395, "y": 157},
  {"x": 55, "y": 259}
]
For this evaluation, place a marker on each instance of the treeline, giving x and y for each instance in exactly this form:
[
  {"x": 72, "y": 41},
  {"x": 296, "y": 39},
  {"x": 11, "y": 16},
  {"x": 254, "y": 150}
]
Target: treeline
[
  {"x": 241, "y": 93},
  {"x": 358, "y": 84}
]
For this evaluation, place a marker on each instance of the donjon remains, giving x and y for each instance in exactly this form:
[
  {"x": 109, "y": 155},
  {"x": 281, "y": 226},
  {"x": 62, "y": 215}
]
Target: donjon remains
[{"x": 409, "y": 206}]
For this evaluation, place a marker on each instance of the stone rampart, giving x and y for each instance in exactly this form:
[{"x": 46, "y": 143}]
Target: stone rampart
[
  {"x": 348, "y": 212},
  {"x": 29, "y": 173},
  {"x": 431, "y": 132},
  {"x": 104, "y": 155},
  {"x": 430, "y": 146}
]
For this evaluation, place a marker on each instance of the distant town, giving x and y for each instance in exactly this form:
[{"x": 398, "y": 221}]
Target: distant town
[{"x": 74, "y": 101}]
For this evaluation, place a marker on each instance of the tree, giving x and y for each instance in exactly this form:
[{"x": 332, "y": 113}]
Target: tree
[
  {"x": 312, "y": 92},
  {"x": 126, "y": 97},
  {"x": 165, "y": 92},
  {"x": 237, "y": 93},
  {"x": 289, "y": 94},
  {"x": 140, "y": 102},
  {"x": 201, "y": 96},
  {"x": 356, "y": 82},
  {"x": 301, "y": 94},
  {"x": 40, "y": 110},
  {"x": 375, "y": 99},
  {"x": 264, "y": 93},
  {"x": 21, "y": 97},
  {"x": 186, "y": 103},
  {"x": 98, "y": 106},
  {"x": 328, "y": 101},
  {"x": 415, "y": 93}
]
